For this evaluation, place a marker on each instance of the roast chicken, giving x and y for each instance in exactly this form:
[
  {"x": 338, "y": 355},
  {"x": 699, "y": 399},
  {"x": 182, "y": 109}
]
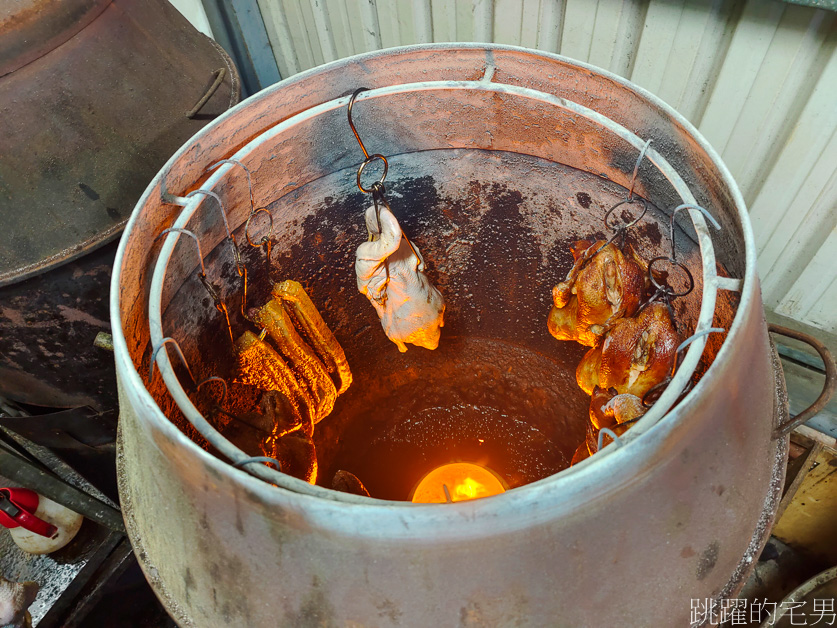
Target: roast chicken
[
  {"x": 609, "y": 408},
  {"x": 636, "y": 354},
  {"x": 260, "y": 365},
  {"x": 604, "y": 285},
  {"x": 301, "y": 360},
  {"x": 310, "y": 372},
  {"x": 390, "y": 272}
]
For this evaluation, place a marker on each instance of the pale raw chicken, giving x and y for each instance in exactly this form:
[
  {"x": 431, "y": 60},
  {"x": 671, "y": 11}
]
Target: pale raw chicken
[{"x": 390, "y": 274}]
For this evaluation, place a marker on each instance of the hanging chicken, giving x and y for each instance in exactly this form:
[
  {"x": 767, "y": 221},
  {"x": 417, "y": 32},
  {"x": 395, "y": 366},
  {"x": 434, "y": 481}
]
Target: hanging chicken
[
  {"x": 636, "y": 354},
  {"x": 612, "y": 410},
  {"x": 390, "y": 272},
  {"x": 604, "y": 285},
  {"x": 609, "y": 408}
]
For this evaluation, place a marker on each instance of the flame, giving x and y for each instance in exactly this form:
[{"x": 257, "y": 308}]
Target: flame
[
  {"x": 456, "y": 482},
  {"x": 469, "y": 489}
]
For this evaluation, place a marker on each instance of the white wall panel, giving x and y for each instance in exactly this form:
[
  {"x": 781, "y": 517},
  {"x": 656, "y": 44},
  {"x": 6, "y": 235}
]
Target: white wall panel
[{"x": 757, "y": 77}]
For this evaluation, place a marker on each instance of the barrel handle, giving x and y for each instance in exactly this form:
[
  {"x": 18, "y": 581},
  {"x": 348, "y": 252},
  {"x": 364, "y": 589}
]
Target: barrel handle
[
  {"x": 830, "y": 379},
  {"x": 219, "y": 78}
]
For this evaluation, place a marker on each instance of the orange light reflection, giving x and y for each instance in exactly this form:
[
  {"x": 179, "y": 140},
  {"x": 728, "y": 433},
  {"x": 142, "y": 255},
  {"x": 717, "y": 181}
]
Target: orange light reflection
[{"x": 463, "y": 480}]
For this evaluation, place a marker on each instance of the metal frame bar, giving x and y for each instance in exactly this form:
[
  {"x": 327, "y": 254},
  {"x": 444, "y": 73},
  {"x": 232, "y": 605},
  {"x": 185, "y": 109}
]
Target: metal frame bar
[{"x": 26, "y": 473}]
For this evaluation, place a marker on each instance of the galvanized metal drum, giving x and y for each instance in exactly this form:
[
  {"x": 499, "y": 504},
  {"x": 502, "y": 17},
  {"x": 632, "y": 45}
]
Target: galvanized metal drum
[{"x": 498, "y": 159}]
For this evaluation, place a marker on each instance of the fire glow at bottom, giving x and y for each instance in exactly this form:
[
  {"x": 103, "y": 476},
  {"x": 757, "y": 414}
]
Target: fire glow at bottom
[{"x": 463, "y": 481}]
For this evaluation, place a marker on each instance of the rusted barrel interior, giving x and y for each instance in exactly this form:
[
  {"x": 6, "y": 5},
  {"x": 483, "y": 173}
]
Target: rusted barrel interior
[
  {"x": 499, "y": 390},
  {"x": 496, "y": 228}
]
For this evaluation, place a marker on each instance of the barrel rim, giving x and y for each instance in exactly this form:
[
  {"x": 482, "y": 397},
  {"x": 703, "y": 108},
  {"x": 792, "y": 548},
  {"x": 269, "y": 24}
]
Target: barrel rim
[{"x": 613, "y": 458}]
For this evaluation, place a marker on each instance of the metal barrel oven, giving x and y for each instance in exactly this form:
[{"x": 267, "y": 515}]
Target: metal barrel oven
[
  {"x": 96, "y": 94},
  {"x": 498, "y": 158}
]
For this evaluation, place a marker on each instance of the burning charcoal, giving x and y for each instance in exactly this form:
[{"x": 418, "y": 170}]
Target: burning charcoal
[
  {"x": 346, "y": 482},
  {"x": 15, "y": 599},
  {"x": 260, "y": 366},
  {"x": 598, "y": 291},
  {"x": 277, "y": 322},
  {"x": 609, "y": 408},
  {"x": 308, "y": 318},
  {"x": 390, "y": 272},
  {"x": 297, "y": 456},
  {"x": 637, "y": 354}
]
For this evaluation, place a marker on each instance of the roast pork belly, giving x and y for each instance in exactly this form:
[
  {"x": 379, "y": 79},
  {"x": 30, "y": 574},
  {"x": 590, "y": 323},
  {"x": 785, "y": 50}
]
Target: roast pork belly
[
  {"x": 390, "y": 272},
  {"x": 604, "y": 285},
  {"x": 276, "y": 431}
]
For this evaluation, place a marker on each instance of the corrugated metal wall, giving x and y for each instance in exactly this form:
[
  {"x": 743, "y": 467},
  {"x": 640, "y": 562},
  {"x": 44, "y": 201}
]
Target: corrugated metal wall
[{"x": 758, "y": 78}]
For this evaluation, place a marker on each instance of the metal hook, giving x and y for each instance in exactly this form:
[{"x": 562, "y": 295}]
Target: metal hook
[
  {"x": 214, "y": 378},
  {"x": 236, "y": 252},
  {"x": 380, "y": 181},
  {"x": 620, "y": 229},
  {"x": 665, "y": 289},
  {"x": 244, "y": 294},
  {"x": 653, "y": 393},
  {"x": 168, "y": 197},
  {"x": 356, "y": 93},
  {"x": 235, "y": 162},
  {"x": 194, "y": 237},
  {"x": 612, "y": 434},
  {"x": 367, "y": 157},
  {"x": 708, "y": 216},
  {"x": 179, "y": 353},
  {"x": 644, "y": 150},
  {"x": 253, "y": 459},
  {"x": 265, "y": 239},
  {"x": 699, "y": 334}
]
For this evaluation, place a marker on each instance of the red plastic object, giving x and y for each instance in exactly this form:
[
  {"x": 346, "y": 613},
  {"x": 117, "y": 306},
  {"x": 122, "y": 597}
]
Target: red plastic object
[{"x": 17, "y": 508}]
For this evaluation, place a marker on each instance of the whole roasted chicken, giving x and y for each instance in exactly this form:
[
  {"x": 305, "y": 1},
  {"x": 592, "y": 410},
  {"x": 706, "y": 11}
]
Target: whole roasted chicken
[
  {"x": 636, "y": 354},
  {"x": 604, "y": 285},
  {"x": 390, "y": 272}
]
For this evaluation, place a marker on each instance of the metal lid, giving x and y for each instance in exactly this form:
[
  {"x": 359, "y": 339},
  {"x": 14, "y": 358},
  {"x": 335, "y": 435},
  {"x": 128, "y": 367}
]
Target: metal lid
[
  {"x": 90, "y": 122},
  {"x": 31, "y": 28}
]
